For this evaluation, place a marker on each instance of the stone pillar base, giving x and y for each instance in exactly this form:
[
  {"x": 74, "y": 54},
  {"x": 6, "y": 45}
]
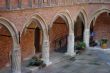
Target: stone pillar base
[
  {"x": 16, "y": 72},
  {"x": 48, "y": 63},
  {"x": 71, "y": 54}
]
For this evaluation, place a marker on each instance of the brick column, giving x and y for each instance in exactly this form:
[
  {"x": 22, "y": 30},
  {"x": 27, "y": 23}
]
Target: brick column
[
  {"x": 70, "y": 49},
  {"x": 86, "y": 37},
  {"x": 16, "y": 59},
  {"x": 45, "y": 51}
]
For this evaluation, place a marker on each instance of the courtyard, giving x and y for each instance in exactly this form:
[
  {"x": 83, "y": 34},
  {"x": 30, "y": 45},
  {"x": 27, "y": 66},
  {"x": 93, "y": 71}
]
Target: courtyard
[
  {"x": 90, "y": 61},
  {"x": 51, "y": 36}
]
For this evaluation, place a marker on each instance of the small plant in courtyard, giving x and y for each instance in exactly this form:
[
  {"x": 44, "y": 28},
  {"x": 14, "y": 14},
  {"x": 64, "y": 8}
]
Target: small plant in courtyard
[
  {"x": 92, "y": 43},
  {"x": 35, "y": 61},
  {"x": 103, "y": 43},
  {"x": 80, "y": 47}
]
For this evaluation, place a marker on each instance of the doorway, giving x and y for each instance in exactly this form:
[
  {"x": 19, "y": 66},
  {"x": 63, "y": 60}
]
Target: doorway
[{"x": 37, "y": 40}]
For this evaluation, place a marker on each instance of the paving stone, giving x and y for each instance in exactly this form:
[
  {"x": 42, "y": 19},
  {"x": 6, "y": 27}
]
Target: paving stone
[{"x": 88, "y": 62}]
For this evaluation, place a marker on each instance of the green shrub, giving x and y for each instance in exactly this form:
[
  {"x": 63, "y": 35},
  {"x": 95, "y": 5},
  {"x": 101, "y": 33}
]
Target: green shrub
[
  {"x": 103, "y": 41},
  {"x": 93, "y": 43},
  {"x": 80, "y": 46},
  {"x": 35, "y": 61}
]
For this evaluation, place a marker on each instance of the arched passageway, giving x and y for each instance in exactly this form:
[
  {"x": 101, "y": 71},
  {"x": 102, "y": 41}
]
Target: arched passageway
[
  {"x": 100, "y": 28},
  {"x": 35, "y": 40},
  {"x": 10, "y": 56},
  {"x": 79, "y": 28},
  {"x": 58, "y": 36},
  {"x": 6, "y": 43},
  {"x": 31, "y": 40}
]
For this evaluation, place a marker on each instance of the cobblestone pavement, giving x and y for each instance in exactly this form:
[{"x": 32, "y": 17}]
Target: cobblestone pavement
[{"x": 90, "y": 61}]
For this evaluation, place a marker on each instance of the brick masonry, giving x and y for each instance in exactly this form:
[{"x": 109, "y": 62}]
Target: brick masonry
[
  {"x": 20, "y": 17},
  {"x": 5, "y": 47},
  {"x": 102, "y": 27},
  {"x": 58, "y": 30}
]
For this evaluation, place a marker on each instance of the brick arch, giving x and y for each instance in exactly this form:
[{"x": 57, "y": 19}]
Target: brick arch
[
  {"x": 11, "y": 43},
  {"x": 82, "y": 14},
  {"x": 12, "y": 29},
  {"x": 99, "y": 27},
  {"x": 65, "y": 15},
  {"x": 97, "y": 13},
  {"x": 44, "y": 28},
  {"x": 80, "y": 33},
  {"x": 40, "y": 19}
]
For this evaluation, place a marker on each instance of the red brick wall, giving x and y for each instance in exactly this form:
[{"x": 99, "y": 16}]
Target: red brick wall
[
  {"x": 27, "y": 43},
  {"x": 78, "y": 28},
  {"x": 2, "y": 3},
  {"x": 48, "y": 13},
  {"x": 14, "y": 3},
  {"x": 20, "y": 17},
  {"x": 5, "y": 47},
  {"x": 25, "y": 3},
  {"x": 57, "y": 31},
  {"x": 102, "y": 27},
  {"x": 28, "y": 39}
]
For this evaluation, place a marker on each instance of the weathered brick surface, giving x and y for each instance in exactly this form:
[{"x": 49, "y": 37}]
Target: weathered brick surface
[
  {"x": 14, "y": 3},
  {"x": 2, "y": 3},
  {"x": 79, "y": 28},
  {"x": 20, "y": 17},
  {"x": 102, "y": 27},
  {"x": 27, "y": 43},
  {"x": 58, "y": 31},
  {"x": 25, "y": 3},
  {"x": 5, "y": 47}
]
